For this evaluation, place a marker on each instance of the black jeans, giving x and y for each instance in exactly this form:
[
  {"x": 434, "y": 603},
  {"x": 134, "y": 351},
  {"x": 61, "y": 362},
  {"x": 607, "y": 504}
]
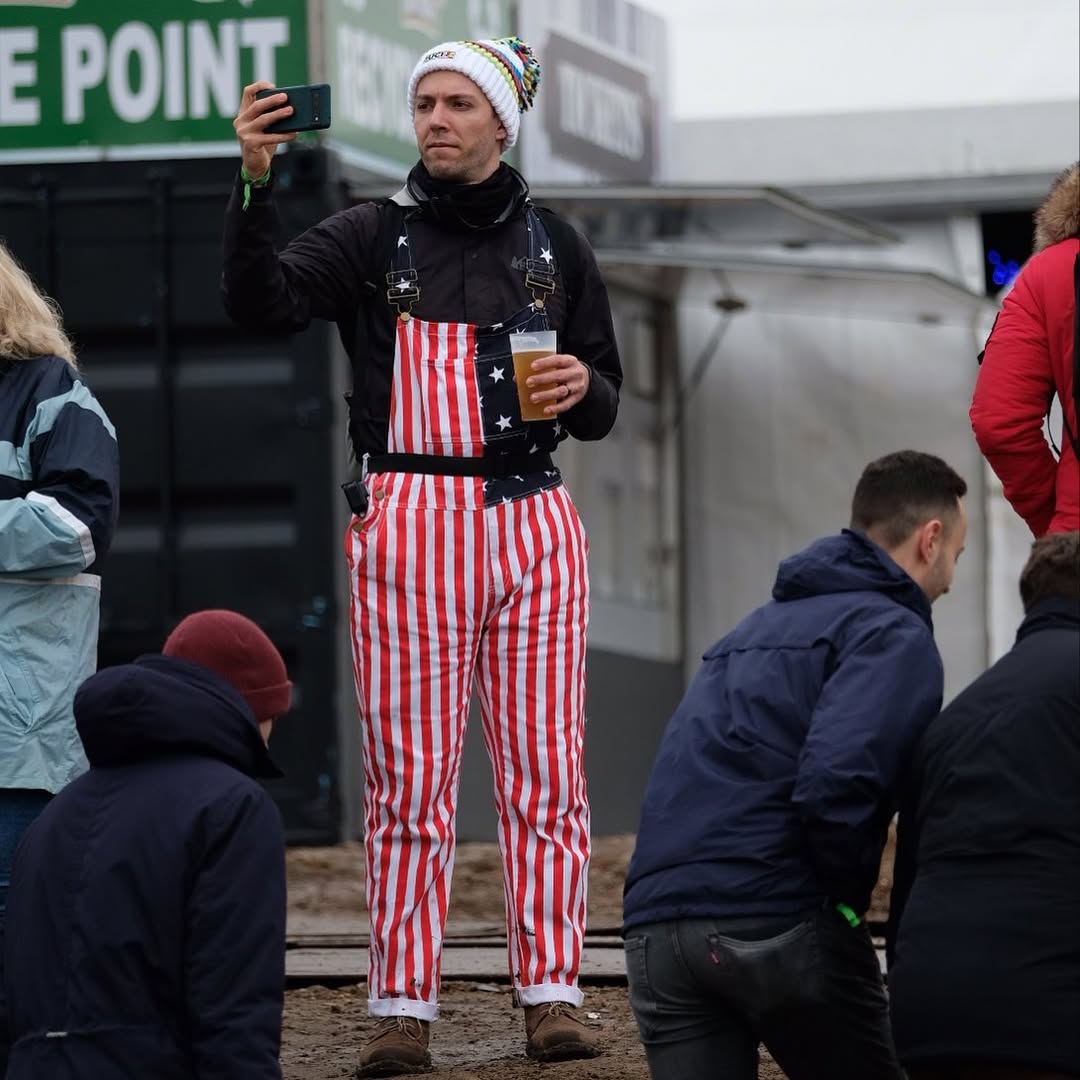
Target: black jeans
[{"x": 705, "y": 992}]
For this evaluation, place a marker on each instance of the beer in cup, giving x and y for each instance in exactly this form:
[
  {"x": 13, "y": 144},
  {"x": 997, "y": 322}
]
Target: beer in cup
[{"x": 525, "y": 348}]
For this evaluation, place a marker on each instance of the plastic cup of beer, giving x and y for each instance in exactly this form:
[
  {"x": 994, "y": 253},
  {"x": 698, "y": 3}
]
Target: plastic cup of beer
[{"x": 525, "y": 348}]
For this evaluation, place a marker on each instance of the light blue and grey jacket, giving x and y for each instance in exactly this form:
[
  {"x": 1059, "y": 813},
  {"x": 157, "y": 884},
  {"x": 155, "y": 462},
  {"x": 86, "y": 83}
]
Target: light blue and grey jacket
[{"x": 59, "y": 481}]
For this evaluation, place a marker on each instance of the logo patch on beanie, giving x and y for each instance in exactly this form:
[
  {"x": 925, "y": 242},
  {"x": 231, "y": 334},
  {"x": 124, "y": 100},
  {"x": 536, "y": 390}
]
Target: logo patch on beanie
[{"x": 438, "y": 54}]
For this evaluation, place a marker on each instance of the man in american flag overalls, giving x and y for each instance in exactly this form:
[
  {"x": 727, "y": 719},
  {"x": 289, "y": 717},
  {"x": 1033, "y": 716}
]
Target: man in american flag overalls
[{"x": 467, "y": 558}]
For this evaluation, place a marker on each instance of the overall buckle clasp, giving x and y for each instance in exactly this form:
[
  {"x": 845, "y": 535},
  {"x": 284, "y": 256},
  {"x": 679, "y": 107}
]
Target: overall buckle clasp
[
  {"x": 402, "y": 292},
  {"x": 539, "y": 280}
]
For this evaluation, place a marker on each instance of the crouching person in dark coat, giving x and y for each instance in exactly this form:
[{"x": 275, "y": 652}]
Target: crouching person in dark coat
[
  {"x": 985, "y": 980},
  {"x": 146, "y": 920}
]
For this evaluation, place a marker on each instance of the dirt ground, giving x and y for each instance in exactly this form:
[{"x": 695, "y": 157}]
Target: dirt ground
[{"x": 479, "y": 1035}]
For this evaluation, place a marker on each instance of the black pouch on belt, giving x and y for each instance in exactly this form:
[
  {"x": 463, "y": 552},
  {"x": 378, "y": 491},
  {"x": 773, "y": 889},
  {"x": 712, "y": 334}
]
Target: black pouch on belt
[{"x": 356, "y": 495}]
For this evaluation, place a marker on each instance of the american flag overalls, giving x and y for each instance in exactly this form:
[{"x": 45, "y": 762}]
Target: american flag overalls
[{"x": 456, "y": 579}]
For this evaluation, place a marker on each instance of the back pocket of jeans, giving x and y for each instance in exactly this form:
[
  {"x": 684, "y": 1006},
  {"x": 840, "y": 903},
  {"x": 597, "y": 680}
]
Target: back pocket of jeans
[{"x": 770, "y": 972}]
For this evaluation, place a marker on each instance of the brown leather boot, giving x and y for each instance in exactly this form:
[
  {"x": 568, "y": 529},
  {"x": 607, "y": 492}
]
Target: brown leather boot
[
  {"x": 556, "y": 1034},
  {"x": 399, "y": 1046}
]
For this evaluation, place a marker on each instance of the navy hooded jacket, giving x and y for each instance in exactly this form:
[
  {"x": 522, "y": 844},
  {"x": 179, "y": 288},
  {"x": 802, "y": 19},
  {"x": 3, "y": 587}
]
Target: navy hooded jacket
[
  {"x": 773, "y": 785},
  {"x": 146, "y": 920}
]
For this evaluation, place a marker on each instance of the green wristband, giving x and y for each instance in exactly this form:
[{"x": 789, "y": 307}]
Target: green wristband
[
  {"x": 250, "y": 182},
  {"x": 849, "y": 915}
]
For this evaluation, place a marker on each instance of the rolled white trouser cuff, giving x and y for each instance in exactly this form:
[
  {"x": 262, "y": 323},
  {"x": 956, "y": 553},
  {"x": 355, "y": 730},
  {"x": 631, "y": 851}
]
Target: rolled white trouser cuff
[
  {"x": 544, "y": 993},
  {"x": 398, "y": 1006}
]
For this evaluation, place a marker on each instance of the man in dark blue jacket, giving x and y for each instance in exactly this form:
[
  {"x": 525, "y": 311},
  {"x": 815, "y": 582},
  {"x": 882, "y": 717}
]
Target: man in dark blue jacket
[
  {"x": 985, "y": 981},
  {"x": 766, "y": 812},
  {"x": 146, "y": 919}
]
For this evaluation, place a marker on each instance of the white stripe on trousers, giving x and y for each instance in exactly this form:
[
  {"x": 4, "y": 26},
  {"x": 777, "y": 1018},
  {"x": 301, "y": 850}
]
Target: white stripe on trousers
[{"x": 442, "y": 589}]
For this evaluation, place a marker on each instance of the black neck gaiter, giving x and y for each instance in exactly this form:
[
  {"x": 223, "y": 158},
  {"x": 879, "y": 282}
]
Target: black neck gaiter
[{"x": 469, "y": 206}]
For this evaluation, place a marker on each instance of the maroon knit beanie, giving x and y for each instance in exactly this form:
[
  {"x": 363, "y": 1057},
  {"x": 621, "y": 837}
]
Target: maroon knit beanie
[{"x": 240, "y": 652}]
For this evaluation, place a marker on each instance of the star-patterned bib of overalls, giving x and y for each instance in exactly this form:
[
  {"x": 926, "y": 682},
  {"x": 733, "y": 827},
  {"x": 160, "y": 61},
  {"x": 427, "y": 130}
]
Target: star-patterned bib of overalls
[{"x": 456, "y": 581}]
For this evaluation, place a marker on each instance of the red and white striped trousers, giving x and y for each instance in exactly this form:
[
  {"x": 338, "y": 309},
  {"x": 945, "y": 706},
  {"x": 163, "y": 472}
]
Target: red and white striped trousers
[{"x": 445, "y": 590}]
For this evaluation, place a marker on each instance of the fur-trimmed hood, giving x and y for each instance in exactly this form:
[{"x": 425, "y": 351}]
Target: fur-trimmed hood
[{"x": 1059, "y": 216}]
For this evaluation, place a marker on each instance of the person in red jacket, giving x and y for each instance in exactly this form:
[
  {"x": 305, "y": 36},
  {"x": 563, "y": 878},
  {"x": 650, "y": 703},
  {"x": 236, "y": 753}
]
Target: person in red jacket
[{"x": 1030, "y": 357}]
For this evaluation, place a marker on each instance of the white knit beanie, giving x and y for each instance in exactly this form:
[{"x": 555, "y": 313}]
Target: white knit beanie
[{"x": 505, "y": 69}]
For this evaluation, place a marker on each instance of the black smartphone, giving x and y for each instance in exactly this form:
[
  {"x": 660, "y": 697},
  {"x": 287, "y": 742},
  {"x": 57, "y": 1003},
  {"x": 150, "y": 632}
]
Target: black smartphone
[{"x": 311, "y": 108}]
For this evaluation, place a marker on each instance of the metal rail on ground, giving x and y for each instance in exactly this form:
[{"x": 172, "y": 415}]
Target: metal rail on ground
[{"x": 471, "y": 954}]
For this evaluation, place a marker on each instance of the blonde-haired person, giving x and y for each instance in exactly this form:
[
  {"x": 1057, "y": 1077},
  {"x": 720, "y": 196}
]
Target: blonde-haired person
[
  {"x": 29, "y": 321},
  {"x": 59, "y": 478}
]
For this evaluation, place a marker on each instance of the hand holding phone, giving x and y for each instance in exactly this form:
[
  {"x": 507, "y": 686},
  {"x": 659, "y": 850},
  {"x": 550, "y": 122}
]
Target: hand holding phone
[
  {"x": 256, "y": 146},
  {"x": 269, "y": 116}
]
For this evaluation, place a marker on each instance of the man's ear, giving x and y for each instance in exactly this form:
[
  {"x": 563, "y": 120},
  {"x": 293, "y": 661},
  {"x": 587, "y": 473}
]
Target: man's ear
[{"x": 930, "y": 537}]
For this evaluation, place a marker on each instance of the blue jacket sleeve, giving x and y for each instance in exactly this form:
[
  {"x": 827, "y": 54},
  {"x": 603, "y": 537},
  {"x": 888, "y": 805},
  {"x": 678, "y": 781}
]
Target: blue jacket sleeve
[
  {"x": 65, "y": 523},
  {"x": 885, "y": 687},
  {"x": 236, "y": 943}
]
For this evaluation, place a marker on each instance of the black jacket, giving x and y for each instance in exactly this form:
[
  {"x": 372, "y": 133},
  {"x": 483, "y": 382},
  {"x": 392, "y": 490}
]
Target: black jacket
[
  {"x": 465, "y": 275},
  {"x": 146, "y": 920},
  {"x": 986, "y": 963}
]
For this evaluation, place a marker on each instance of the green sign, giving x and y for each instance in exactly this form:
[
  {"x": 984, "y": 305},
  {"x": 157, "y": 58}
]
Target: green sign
[
  {"x": 372, "y": 47},
  {"x": 93, "y": 75}
]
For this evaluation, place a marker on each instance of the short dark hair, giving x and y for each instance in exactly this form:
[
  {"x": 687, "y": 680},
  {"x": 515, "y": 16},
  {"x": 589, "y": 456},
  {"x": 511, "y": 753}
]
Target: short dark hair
[
  {"x": 899, "y": 492},
  {"x": 1052, "y": 569}
]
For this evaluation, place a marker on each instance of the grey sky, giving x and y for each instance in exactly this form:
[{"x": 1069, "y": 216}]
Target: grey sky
[{"x": 760, "y": 57}]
